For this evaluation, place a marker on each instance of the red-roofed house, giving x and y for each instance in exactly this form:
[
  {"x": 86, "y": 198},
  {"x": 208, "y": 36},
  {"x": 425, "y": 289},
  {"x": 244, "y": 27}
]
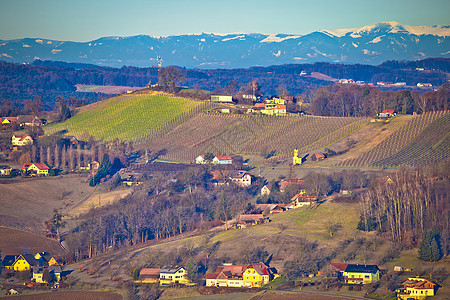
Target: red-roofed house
[
  {"x": 301, "y": 200},
  {"x": 8, "y": 120},
  {"x": 387, "y": 113},
  {"x": 222, "y": 160},
  {"x": 21, "y": 139},
  {"x": 258, "y": 274},
  {"x": 39, "y": 169}
]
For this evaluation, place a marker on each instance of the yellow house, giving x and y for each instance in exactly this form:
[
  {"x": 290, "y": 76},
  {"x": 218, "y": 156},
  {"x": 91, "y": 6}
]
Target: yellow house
[
  {"x": 361, "y": 274},
  {"x": 173, "y": 275},
  {"x": 39, "y": 169},
  {"x": 21, "y": 139},
  {"x": 45, "y": 257},
  {"x": 38, "y": 273},
  {"x": 416, "y": 288},
  {"x": 257, "y": 275},
  {"x": 24, "y": 262}
]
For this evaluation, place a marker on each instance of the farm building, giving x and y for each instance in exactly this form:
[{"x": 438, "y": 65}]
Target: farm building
[
  {"x": 361, "y": 274},
  {"x": 317, "y": 156},
  {"x": 387, "y": 113},
  {"x": 5, "y": 170},
  {"x": 254, "y": 219},
  {"x": 254, "y": 275},
  {"x": 219, "y": 98},
  {"x": 29, "y": 120},
  {"x": 149, "y": 275},
  {"x": 222, "y": 160}
]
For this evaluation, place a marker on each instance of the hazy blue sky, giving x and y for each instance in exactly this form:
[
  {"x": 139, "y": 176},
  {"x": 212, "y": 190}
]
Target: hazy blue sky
[{"x": 85, "y": 20}]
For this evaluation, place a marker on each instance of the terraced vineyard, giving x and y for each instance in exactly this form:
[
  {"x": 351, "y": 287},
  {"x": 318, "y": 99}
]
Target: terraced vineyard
[
  {"x": 130, "y": 117},
  {"x": 423, "y": 139},
  {"x": 226, "y": 134}
]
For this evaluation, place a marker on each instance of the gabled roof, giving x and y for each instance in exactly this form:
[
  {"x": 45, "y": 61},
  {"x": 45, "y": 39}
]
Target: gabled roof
[
  {"x": 212, "y": 275},
  {"x": 28, "y": 119},
  {"x": 21, "y": 137},
  {"x": 339, "y": 266},
  {"x": 170, "y": 269},
  {"x": 260, "y": 268},
  {"x": 29, "y": 258},
  {"x": 355, "y": 268},
  {"x": 40, "y": 166},
  {"x": 224, "y": 157},
  {"x": 319, "y": 155},
  {"x": 254, "y": 217},
  {"x": 388, "y": 111},
  {"x": 149, "y": 272},
  {"x": 5, "y": 167},
  {"x": 9, "y": 260}
]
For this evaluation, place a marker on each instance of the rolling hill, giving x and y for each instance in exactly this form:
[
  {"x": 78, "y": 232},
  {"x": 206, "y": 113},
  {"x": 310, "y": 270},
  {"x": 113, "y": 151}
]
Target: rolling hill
[
  {"x": 183, "y": 129},
  {"x": 128, "y": 117}
]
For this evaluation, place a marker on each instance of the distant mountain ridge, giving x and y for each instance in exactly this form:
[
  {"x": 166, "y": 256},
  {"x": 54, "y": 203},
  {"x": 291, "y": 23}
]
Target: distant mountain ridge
[{"x": 372, "y": 44}]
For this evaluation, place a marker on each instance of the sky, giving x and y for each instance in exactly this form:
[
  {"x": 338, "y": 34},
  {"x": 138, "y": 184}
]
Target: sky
[{"x": 87, "y": 20}]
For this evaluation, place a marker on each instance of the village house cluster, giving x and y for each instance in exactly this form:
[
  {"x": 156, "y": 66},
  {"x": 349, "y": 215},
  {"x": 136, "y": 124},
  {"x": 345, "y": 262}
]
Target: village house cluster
[
  {"x": 37, "y": 263},
  {"x": 253, "y": 275}
]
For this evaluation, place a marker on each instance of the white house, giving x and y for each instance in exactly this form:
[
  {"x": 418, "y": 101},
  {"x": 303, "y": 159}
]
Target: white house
[
  {"x": 242, "y": 178},
  {"x": 200, "y": 160},
  {"x": 222, "y": 160}
]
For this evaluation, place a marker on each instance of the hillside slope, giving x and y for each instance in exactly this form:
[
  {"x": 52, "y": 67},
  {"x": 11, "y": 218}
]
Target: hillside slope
[{"x": 127, "y": 117}]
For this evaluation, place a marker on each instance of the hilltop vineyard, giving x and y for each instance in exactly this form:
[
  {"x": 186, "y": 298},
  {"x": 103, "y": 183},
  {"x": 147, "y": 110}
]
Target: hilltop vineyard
[
  {"x": 425, "y": 138},
  {"x": 253, "y": 134},
  {"x": 130, "y": 117}
]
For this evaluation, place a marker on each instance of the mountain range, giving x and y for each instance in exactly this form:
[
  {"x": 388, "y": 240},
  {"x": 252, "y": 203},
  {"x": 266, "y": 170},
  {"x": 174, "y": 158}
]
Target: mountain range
[{"x": 372, "y": 44}]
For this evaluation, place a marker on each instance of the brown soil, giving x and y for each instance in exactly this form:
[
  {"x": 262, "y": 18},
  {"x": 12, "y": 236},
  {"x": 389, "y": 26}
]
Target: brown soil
[
  {"x": 13, "y": 241},
  {"x": 70, "y": 295},
  {"x": 297, "y": 296}
]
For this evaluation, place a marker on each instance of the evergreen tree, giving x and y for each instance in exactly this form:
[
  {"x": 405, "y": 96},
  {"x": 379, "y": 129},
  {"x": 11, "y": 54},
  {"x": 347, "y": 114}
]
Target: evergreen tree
[
  {"x": 191, "y": 269},
  {"x": 429, "y": 248},
  {"x": 46, "y": 276}
]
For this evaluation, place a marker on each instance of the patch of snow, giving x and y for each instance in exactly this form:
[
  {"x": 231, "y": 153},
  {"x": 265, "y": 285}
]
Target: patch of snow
[
  {"x": 422, "y": 54},
  {"x": 6, "y": 55},
  {"x": 54, "y": 51},
  {"x": 273, "y": 38},
  {"x": 299, "y": 43},
  {"x": 355, "y": 36},
  {"x": 151, "y": 48},
  {"x": 49, "y": 42},
  {"x": 202, "y": 40},
  {"x": 233, "y": 38},
  {"x": 36, "y": 58},
  {"x": 355, "y": 45},
  {"x": 376, "y": 40},
  {"x": 174, "y": 51},
  {"x": 26, "y": 46},
  {"x": 299, "y": 58},
  {"x": 337, "y": 32},
  {"x": 445, "y": 53},
  {"x": 369, "y": 52},
  {"x": 39, "y": 41},
  {"x": 277, "y": 54},
  {"x": 100, "y": 43}
]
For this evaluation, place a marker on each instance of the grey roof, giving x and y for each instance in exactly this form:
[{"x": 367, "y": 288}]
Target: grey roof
[
  {"x": 362, "y": 268},
  {"x": 170, "y": 269},
  {"x": 8, "y": 260}
]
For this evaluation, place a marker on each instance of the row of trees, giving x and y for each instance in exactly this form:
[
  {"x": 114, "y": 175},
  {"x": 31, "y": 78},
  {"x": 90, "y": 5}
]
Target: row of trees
[{"x": 356, "y": 101}]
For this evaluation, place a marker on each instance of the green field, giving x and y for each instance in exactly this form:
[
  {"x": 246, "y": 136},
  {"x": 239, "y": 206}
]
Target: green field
[{"x": 126, "y": 117}]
